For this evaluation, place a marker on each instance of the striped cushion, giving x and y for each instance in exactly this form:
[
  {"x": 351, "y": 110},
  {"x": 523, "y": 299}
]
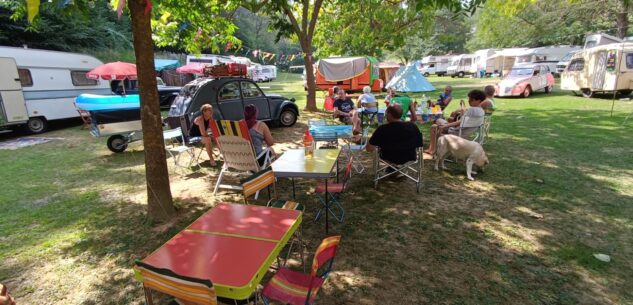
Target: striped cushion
[
  {"x": 291, "y": 287},
  {"x": 288, "y": 205},
  {"x": 181, "y": 287},
  {"x": 258, "y": 181},
  {"x": 325, "y": 252}
]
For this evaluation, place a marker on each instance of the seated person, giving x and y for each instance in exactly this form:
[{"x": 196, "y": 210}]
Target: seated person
[
  {"x": 391, "y": 92},
  {"x": 344, "y": 111},
  {"x": 201, "y": 127},
  {"x": 445, "y": 98},
  {"x": 488, "y": 105},
  {"x": 367, "y": 100},
  {"x": 259, "y": 132},
  {"x": 406, "y": 105},
  {"x": 475, "y": 113},
  {"x": 397, "y": 140}
]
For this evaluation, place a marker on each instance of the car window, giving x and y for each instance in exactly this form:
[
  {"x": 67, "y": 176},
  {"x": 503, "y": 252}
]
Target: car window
[
  {"x": 250, "y": 90},
  {"x": 229, "y": 91},
  {"x": 25, "y": 77},
  {"x": 577, "y": 64}
]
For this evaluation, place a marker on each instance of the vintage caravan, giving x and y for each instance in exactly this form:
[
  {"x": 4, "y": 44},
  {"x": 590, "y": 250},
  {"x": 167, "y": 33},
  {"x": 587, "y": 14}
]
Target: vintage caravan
[
  {"x": 37, "y": 86},
  {"x": 599, "y": 39},
  {"x": 269, "y": 72},
  {"x": 462, "y": 65},
  {"x": 434, "y": 65},
  {"x": 549, "y": 55},
  {"x": 562, "y": 64},
  {"x": 349, "y": 73},
  {"x": 602, "y": 69},
  {"x": 486, "y": 63}
]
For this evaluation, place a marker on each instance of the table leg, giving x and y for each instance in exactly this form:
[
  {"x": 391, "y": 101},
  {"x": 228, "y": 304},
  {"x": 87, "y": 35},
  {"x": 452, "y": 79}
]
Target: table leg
[
  {"x": 336, "y": 172},
  {"x": 294, "y": 197},
  {"x": 327, "y": 205}
]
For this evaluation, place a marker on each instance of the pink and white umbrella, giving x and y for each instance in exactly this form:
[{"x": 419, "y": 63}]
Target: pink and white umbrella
[
  {"x": 113, "y": 71},
  {"x": 192, "y": 68}
]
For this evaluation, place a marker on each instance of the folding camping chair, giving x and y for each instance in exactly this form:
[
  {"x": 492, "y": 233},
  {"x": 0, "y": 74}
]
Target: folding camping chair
[
  {"x": 238, "y": 151},
  {"x": 471, "y": 128},
  {"x": 356, "y": 149},
  {"x": 183, "y": 288},
  {"x": 334, "y": 190},
  {"x": 412, "y": 169},
  {"x": 185, "y": 123},
  {"x": 292, "y": 287},
  {"x": 85, "y": 117},
  {"x": 174, "y": 141},
  {"x": 265, "y": 179},
  {"x": 485, "y": 129}
]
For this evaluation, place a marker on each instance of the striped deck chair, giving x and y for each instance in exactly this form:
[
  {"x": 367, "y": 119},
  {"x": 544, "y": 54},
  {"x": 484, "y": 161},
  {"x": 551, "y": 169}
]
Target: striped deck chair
[
  {"x": 265, "y": 179},
  {"x": 237, "y": 150},
  {"x": 296, "y": 288},
  {"x": 186, "y": 290}
]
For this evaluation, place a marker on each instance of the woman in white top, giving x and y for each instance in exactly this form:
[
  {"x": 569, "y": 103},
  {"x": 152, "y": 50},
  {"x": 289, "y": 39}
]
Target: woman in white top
[{"x": 367, "y": 100}]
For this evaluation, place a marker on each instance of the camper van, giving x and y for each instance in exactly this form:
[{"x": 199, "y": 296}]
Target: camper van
[
  {"x": 549, "y": 55},
  {"x": 484, "y": 61},
  {"x": 434, "y": 65},
  {"x": 562, "y": 64},
  {"x": 603, "y": 69},
  {"x": 599, "y": 39},
  {"x": 37, "y": 86},
  {"x": 462, "y": 65}
]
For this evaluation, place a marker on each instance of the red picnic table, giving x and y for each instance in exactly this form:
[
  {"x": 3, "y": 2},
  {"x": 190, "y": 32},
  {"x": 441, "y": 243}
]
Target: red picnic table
[{"x": 232, "y": 245}]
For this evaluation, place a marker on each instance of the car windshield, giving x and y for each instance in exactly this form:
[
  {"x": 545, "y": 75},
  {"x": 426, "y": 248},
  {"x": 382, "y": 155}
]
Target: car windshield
[
  {"x": 568, "y": 56},
  {"x": 521, "y": 72}
]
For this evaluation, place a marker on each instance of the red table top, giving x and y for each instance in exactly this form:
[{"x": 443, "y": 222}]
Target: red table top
[
  {"x": 230, "y": 261},
  {"x": 232, "y": 245},
  {"x": 252, "y": 221}
]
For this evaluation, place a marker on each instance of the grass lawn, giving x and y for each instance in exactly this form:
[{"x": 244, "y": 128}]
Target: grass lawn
[{"x": 559, "y": 189}]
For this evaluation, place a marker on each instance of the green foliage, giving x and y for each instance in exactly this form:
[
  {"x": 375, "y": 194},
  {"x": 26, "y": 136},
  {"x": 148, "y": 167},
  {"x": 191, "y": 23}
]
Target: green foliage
[
  {"x": 97, "y": 28},
  {"x": 533, "y": 23}
]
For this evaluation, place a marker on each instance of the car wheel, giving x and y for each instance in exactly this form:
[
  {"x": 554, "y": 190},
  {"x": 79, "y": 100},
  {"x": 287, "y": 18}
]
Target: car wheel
[
  {"x": 548, "y": 89},
  {"x": 452, "y": 76},
  {"x": 460, "y": 74},
  {"x": 625, "y": 92},
  {"x": 117, "y": 143},
  {"x": 527, "y": 92},
  {"x": 426, "y": 74},
  {"x": 287, "y": 117},
  {"x": 36, "y": 125},
  {"x": 587, "y": 93}
]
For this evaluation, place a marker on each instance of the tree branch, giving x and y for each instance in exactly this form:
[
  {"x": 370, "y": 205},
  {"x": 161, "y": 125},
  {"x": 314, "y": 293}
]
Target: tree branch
[
  {"x": 304, "y": 16},
  {"x": 315, "y": 15}
]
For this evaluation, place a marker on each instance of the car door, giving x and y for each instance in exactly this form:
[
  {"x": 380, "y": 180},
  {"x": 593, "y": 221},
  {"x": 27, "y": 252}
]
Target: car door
[
  {"x": 535, "y": 80},
  {"x": 230, "y": 101},
  {"x": 252, "y": 95}
]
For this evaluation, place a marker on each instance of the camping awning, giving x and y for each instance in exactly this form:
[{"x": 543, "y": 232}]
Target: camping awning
[
  {"x": 165, "y": 64},
  {"x": 338, "y": 69}
]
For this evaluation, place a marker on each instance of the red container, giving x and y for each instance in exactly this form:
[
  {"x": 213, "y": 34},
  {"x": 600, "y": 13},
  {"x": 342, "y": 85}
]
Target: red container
[{"x": 236, "y": 69}]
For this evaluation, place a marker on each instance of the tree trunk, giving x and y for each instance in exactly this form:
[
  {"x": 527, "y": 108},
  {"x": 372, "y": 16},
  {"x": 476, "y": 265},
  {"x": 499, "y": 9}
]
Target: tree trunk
[
  {"x": 622, "y": 20},
  {"x": 310, "y": 81},
  {"x": 159, "y": 201}
]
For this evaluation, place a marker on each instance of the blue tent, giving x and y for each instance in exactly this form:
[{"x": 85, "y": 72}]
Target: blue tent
[
  {"x": 165, "y": 64},
  {"x": 409, "y": 79}
]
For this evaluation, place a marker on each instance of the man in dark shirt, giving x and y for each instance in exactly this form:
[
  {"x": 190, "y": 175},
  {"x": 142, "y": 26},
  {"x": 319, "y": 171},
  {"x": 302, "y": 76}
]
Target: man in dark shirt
[
  {"x": 344, "y": 110},
  {"x": 397, "y": 140}
]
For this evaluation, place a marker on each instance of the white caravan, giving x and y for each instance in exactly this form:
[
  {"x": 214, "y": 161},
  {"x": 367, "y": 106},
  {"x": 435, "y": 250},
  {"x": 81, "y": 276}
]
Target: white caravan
[
  {"x": 562, "y": 64},
  {"x": 604, "y": 69},
  {"x": 269, "y": 72},
  {"x": 549, "y": 55},
  {"x": 37, "y": 86},
  {"x": 599, "y": 39},
  {"x": 486, "y": 63},
  {"x": 462, "y": 65},
  {"x": 434, "y": 65}
]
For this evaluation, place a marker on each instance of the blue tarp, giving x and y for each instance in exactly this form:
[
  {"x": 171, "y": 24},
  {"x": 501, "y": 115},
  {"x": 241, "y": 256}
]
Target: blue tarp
[
  {"x": 165, "y": 64},
  {"x": 409, "y": 79}
]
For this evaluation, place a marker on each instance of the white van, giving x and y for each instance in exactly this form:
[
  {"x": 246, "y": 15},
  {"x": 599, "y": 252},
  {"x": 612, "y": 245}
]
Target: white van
[
  {"x": 269, "y": 72},
  {"x": 604, "y": 69},
  {"x": 462, "y": 65},
  {"x": 37, "y": 86},
  {"x": 549, "y": 55},
  {"x": 562, "y": 64},
  {"x": 434, "y": 65}
]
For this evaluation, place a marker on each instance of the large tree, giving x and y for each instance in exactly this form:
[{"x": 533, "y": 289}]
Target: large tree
[{"x": 195, "y": 23}]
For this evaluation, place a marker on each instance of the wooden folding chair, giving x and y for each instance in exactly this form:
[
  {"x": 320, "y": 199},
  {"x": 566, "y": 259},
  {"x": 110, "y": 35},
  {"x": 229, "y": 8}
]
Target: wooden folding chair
[
  {"x": 85, "y": 116},
  {"x": 186, "y": 290}
]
